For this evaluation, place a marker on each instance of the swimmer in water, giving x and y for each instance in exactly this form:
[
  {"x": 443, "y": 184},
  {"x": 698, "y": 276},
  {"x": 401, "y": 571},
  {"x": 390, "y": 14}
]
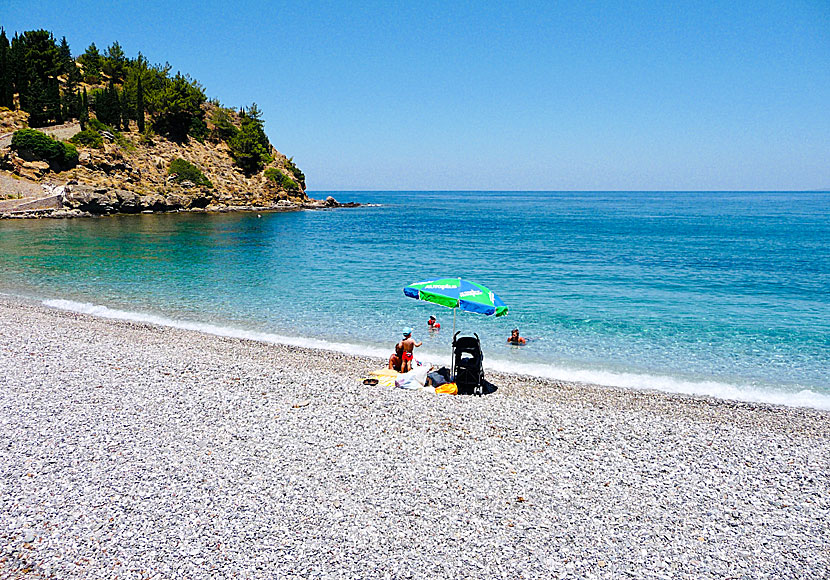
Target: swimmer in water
[
  {"x": 433, "y": 323},
  {"x": 515, "y": 339}
]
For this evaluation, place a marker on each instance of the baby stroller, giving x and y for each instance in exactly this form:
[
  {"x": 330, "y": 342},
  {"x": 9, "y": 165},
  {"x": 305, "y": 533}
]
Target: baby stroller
[{"x": 467, "y": 364}]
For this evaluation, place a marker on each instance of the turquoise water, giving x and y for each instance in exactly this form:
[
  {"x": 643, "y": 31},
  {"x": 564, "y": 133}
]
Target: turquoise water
[{"x": 725, "y": 294}]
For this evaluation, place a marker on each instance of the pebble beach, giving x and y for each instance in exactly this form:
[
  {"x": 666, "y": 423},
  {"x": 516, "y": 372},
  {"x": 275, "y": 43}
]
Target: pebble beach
[{"x": 137, "y": 451}]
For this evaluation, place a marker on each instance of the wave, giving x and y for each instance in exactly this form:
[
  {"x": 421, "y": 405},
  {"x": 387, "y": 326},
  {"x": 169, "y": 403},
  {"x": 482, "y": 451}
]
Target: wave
[
  {"x": 217, "y": 330},
  {"x": 668, "y": 384}
]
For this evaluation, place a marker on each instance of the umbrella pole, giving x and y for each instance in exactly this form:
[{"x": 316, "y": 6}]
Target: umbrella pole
[{"x": 453, "y": 322}]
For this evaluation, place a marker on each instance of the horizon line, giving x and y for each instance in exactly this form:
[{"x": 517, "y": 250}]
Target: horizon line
[{"x": 570, "y": 190}]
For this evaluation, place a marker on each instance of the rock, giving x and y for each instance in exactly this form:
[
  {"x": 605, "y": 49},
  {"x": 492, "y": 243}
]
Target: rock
[
  {"x": 153, "y": 202},
  {"x": 128, "y": 201},
  {"x": 331, "y": 202},
  {"x": 200, "y": 201},
  {"x": 94, "y": 199},
  {"x": 34, "y": 169},
  {"x": 177, "y": 201}
]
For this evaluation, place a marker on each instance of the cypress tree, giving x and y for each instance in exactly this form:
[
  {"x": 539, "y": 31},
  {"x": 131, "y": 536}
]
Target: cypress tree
[
  {"x": 6, "y": 85},
  {"x": 17, "y": 67},
  {"x": 115, "y": 103},
  {"x": 139, "y": 105},
  {"x": 125, "y": 111},
  {"x": 84, "y": 116}
]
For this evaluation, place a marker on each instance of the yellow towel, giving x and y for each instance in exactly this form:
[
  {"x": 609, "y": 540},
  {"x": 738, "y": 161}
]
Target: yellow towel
[{"x": 385, "y": 377}]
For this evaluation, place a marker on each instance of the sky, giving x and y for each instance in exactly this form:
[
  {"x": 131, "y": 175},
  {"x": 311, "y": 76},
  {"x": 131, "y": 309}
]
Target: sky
[{"x": 500, "y": 95}]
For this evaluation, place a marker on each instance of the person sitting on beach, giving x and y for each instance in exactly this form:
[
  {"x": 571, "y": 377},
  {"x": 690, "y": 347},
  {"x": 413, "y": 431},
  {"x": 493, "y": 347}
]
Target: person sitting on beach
[
  {"x": 408, "y": 343},
  {"x": 432, "y": 323},
  {"x": 396, "y": 358},
  {"x": 515, "y": 338}
]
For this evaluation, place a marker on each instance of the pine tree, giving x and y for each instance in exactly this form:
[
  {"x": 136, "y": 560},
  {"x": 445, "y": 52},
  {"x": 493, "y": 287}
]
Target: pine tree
[
  {"x": 40, "y": 93},
  {"x": 114, "y": 62},
  {"x": 6, "y": 83},
  {"x": 91, "y": 61},
  {"x": 65, "y": 57}
]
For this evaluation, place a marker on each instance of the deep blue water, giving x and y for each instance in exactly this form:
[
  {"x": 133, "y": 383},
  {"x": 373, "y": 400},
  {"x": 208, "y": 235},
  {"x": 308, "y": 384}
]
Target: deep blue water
[{"x": 717, "y": 293}]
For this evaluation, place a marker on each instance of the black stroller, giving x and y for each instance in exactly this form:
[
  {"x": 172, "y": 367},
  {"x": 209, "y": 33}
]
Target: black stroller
[{"x": 467, "y": 364}]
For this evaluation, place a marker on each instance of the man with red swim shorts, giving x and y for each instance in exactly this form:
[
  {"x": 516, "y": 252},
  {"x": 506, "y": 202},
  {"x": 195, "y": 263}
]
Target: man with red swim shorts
[{"x": 409, "y": 345}]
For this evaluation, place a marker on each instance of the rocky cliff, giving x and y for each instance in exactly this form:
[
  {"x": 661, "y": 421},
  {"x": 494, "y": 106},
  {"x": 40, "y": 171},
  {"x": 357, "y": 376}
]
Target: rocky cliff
[{"x": 130, "y": 172}]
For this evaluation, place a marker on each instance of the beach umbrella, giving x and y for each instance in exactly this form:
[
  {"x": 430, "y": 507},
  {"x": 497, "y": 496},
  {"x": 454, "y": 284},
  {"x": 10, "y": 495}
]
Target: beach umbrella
[{"x": 458, "y": 294}]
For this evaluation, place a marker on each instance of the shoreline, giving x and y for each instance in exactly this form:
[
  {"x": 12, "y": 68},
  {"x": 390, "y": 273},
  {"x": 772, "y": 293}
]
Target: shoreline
[
  {"x": 68, "y": 213},
  {"x": 140, "y": 450},
  {"x": 626, "y": 381}
]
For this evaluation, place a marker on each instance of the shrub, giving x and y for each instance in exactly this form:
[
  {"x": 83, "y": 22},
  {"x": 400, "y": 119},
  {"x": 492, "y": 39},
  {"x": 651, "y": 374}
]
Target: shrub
[
  {"x": 98, "y": 127},
  {"x": 186, "y": 171},
  {"x": 88, "y": 138},
  {"x": 299, "y": 175},
  {"x": 281, "y": 179},
  {"x": 43, "y": 147}
]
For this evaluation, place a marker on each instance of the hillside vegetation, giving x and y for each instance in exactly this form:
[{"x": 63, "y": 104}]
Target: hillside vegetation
[{"x": 133, "y": 127}]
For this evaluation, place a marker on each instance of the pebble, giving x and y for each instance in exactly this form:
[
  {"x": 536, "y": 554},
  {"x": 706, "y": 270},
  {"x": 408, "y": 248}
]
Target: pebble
[{"x": 136, "y": 451}]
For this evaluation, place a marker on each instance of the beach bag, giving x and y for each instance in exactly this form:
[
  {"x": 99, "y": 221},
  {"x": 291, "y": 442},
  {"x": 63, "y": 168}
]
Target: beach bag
[
  {"x": 412, "y": 380},
  {"x": 447, "y": 389}
]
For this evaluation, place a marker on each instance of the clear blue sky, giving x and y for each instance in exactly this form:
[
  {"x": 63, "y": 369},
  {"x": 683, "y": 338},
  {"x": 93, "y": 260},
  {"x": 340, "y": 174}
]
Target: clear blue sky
[{"x": 501, "y": 95}]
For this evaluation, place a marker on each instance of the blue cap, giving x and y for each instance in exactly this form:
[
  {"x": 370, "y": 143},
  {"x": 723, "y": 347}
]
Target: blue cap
[{"x": 407, "y": 331}]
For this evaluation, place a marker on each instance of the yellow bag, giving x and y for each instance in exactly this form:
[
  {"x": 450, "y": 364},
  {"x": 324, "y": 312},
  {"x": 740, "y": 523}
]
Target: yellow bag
[{"x": 447, "y": 389}]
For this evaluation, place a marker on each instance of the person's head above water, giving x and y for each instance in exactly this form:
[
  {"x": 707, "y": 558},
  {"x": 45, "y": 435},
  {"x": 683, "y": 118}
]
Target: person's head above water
[
  {"x": 432, "y": 317},
  {"x": 515, "y": 332}
]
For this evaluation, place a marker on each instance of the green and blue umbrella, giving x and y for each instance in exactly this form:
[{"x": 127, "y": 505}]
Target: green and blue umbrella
[{"x": 458, "y": 294}]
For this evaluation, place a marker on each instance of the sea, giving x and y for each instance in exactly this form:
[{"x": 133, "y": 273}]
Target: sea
[{"x": 723, "y": 294}]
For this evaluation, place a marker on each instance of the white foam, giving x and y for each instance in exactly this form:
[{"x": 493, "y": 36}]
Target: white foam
[
  {"x": 226, "y": 331},
  {"x": 720, "y": 390},
  {"x": 668, "y": 384}
]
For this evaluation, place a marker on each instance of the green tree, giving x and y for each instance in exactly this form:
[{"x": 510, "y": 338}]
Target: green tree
[
  {"x": 223, "y": 127},
  {"x": 40, "y": 94},
  {"x": 17, "y": 65},
  {"x": 250, "y": 147},
  {"x": 84, "y": 116},
  {"x": 6, "y": 82},
  {"x": 91, "y": 61},
  {"x": 107, "y": 103},
  {"x": 115, "y": 62},
  {"x": 65, "y": 60},
  {"x": 177, "y": 107}
]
